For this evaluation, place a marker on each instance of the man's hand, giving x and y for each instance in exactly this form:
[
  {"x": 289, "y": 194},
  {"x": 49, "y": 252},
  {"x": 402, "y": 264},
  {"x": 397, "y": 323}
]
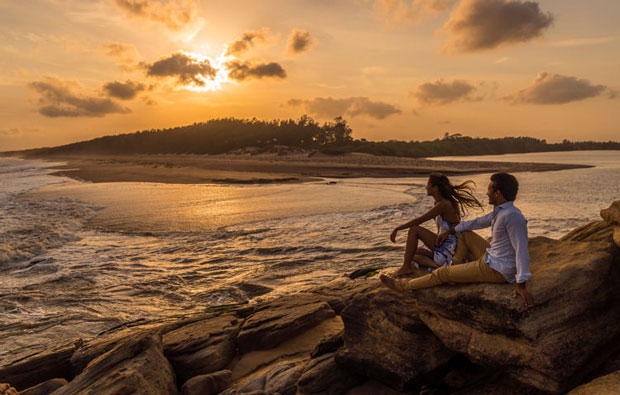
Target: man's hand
[
  {"x": 520, "y": 289},
  {"x": 393, "y": 235},
  {"x": 442, "y": 237}
]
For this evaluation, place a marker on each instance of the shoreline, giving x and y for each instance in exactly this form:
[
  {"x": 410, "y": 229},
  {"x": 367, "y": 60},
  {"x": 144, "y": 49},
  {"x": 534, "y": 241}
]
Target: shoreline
[{"x": 269, "y": 168}]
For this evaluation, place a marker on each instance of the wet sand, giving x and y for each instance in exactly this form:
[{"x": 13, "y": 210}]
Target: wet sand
[{"x": 269, "y": 168}]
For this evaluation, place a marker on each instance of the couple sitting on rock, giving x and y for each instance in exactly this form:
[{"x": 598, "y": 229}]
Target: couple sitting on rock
[{"x": 504, "y": 260}]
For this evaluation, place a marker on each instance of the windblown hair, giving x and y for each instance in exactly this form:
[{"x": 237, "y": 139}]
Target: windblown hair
[{"x": 461, "y": 196}]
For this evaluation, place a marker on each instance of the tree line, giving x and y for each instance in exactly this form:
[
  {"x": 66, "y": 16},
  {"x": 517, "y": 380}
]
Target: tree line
[{"x": 222, "y": 135}]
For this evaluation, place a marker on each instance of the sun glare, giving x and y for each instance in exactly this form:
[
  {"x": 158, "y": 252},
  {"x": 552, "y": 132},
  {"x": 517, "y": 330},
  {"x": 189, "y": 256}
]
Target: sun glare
[{"x": 210, "y": 83}]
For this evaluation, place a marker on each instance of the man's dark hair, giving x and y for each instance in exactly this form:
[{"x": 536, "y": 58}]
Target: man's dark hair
[{"x": 506, "y": 184}]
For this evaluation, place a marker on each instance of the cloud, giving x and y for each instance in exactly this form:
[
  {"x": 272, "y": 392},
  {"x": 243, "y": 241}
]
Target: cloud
[
  {"x": 186, "y": 68},
  {"x": 299, "y": 41},
  {"x": 557, "y": 89},
  {"x": 411, "y": 11},
  {"x": 58, "y": 99},
  {"x": 440, "y": 92},
  {"x": 477, "y": 25},
  {"x": 123, "y": 90},
  {"x": 176, "y": 15},
  {"x": 246, "y": 42},
  {"x": 240, "y": 71},
  {"x": 328, "y": 107},
  {"x": 10, "y": 132},
  {"x": 125, "y": 54}
]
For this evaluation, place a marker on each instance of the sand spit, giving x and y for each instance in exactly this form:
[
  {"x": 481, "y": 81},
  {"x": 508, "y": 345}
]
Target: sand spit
[{"x": 270, "y": 167}]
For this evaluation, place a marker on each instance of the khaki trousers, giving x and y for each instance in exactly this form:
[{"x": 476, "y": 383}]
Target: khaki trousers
[
  {"x": 469, "y": 247},
  {"x": 477, "y": 271}
]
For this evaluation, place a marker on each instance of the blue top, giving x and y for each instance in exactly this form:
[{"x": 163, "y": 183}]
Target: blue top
[{"x": 508, "y": 253}]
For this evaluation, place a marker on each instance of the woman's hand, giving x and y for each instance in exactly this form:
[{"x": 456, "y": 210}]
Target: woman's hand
[
  {"x": 442, "y": 237},
  {"x": 393, "y": 235}
]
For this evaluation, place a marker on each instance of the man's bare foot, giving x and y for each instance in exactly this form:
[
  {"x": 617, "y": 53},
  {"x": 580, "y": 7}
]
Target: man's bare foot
[
  {"x": 388, "y": 282},
  {"x": 403, "y": 271}
]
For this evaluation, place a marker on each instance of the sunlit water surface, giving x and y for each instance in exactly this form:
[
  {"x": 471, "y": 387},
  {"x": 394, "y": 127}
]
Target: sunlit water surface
[{"x": 79, "y": 258}]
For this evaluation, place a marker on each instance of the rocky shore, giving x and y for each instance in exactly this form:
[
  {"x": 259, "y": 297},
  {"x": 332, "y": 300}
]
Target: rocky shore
[{"x": 353, "y": 336}]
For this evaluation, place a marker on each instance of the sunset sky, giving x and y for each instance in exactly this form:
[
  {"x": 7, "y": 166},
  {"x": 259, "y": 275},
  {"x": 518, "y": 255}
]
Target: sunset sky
[{"x": 395, "y": 69}]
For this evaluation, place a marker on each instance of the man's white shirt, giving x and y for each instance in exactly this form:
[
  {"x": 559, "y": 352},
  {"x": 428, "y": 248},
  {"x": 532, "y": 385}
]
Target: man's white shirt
[{"x": 508, "y": 253}]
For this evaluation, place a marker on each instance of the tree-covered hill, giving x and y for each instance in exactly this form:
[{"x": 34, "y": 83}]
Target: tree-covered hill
[{"x": 217, "y": 136}]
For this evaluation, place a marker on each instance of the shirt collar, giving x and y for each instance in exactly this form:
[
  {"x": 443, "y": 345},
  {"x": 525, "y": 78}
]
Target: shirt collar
[{"x": 509, "y": 203}]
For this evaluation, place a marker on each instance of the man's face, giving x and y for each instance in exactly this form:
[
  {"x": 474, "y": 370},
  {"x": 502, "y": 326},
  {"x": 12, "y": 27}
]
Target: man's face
[{"x": 492, "y": 194}]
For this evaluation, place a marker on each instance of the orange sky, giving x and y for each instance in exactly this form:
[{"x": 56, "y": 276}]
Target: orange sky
[{"x": 395, "y": 69}]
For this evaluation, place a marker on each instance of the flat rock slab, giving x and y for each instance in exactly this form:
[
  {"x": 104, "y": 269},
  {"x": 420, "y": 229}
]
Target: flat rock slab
[
  {"x": 137, "y": 366},
  {"x": 324, "y": 376},
  {"x": 37, "y": 368},
  {"x": 202, "y": 347},
  {"x": 280, "y": 319},
  {"x": 338, "y": 292},
  {"x": 552, "y": 346},
  {"x": 385, "y": 339},
  {"x": 45, "y": 388}
]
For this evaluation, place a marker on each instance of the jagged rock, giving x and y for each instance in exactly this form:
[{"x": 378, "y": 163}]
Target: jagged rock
[
  {"x": 605, "y": 385},
  {"x": 280, "y": 378},
  {"x": 341, "y": 290},
  {"x": 553, "y": 346},
  {"x": 280, "y": 319},
  {"x": 611, "y": 215},
  {"x": 208, "y": 384},
  {"x": 328, "y": 344},
  {"x": 45, "y": 388},
  {"x": 6, "y": 389},
  {"x": 385, "y": 340},
  {"x": 376, "y": 388},
  {"x": 137, "y": 366},
  {"x": 324, "y": 376},
  {"x": 593, "y": 231},
  {"x": 26, "y": 373},
  {"x": 202, "y": 347}
]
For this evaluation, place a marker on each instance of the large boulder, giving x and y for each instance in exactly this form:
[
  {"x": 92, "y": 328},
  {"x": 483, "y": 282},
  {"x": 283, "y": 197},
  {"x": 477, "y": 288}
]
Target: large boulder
[
  {"x": 339, "y": 291},
  {"x": 280, "y": 378},
  {"x": 569, "y": 332},
  {"x": 611, "y": 215},
  {"x": 202, "y": 347},
  {"x": 208, "y": 384},
  {"x": 136, "y": 366},
  {"x": 280, "y": 319},
  {"x": 324, "y": 376},
  {"x": 45, "y": 388},
  {"x": 605, "y": 385},
  {"x": 385, "y": 339}
]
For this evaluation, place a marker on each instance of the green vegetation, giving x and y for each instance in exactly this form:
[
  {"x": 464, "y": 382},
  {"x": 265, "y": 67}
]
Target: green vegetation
[{"x": 219, "y": 136}]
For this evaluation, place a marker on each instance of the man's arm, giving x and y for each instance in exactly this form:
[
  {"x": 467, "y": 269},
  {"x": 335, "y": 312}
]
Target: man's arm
[
  {"x": 478, "y": 223},
  {"x": 516, "y": 226}
]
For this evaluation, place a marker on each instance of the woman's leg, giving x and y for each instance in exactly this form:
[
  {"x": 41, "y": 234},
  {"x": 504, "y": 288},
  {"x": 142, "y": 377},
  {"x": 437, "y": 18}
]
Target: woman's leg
[
  {"x": 423, "y": 260},
  {"x": 415, "y": 233}
]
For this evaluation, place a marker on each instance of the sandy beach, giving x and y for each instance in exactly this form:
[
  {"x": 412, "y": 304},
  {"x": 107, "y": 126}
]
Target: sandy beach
[{"x": 270, "y": 167}]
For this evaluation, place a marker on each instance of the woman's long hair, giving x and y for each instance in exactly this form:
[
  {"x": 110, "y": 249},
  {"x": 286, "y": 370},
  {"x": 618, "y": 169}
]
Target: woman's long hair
[{"x": 461, "y": 196}]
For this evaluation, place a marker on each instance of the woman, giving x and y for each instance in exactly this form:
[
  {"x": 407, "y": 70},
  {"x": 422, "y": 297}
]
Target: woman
[{"x": 451, "y": 203}]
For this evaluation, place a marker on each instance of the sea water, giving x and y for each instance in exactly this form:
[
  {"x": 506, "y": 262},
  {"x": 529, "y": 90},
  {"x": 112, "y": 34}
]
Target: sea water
[{"x": 78, "y": 258}]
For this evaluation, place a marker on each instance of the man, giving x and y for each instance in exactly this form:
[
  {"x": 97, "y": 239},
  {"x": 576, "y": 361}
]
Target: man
[{"x": 506, "y": 260}]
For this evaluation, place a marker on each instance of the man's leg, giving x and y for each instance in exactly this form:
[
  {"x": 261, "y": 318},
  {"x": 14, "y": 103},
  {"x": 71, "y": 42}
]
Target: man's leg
[
  {"x": 469, "y": 243},
  {"x": 472, "y": 272}
]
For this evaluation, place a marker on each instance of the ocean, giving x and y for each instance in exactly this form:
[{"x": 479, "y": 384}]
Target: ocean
[{"x": 79, "y": 258}]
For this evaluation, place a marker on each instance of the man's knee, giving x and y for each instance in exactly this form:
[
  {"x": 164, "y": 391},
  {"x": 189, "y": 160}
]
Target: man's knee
[{"x": 442, "y": 274}]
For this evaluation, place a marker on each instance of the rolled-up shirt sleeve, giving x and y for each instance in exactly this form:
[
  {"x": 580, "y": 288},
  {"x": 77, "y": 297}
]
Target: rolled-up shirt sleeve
[
  {"x": 478, "y": 223},
  {"x": 516, "y": 226}
]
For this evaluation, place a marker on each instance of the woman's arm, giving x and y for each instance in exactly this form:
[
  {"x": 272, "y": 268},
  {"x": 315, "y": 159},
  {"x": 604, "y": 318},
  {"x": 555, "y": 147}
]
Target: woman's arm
[{"x": 432, "y": 213}]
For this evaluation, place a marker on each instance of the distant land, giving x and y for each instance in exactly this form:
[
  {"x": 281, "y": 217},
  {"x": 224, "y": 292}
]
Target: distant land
[{"x": 253, "y": 136}]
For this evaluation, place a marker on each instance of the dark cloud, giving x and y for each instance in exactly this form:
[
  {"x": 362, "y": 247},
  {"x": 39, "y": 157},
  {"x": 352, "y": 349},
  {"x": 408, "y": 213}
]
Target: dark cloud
[
  {"x": 123, "y": 90},
  {"x": 174, "y": 14},
  {"x": 185, "y": 68},
  {"x": 477, "y": 25},
  {"x": 557, "y": 89},
  {"x": 409, "y": 10},
  {"x": 246, "y": 42},
  {"x": 58, "y": 99},
  {"x": 299, "y": 41},
  {"x": 240, "y": 71},
  {"x": 441, "y": 92},
  {"x": 328, "y": 107}
]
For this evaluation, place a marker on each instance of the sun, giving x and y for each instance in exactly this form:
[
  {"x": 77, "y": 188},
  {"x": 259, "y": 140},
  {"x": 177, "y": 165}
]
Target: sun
[{"x": 210, "y": 83}]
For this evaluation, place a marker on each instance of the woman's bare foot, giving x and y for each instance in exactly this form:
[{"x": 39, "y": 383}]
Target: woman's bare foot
[
  {"x": 388, "y": 282},
  {"x": 403, "y": 271}
]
